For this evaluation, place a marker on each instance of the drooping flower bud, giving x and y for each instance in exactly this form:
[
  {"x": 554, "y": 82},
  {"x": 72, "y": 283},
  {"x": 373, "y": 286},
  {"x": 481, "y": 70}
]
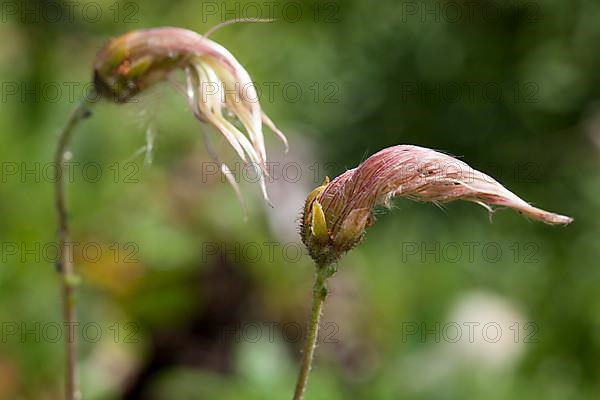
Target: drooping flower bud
[
  {"x": 413, "y": 172},
  {"x": 218, "y": 89}
]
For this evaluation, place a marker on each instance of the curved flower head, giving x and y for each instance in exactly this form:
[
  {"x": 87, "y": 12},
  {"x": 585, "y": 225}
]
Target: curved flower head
[
  {"x": 337, "y": 213},
  {"x": 218, "y": 89}
]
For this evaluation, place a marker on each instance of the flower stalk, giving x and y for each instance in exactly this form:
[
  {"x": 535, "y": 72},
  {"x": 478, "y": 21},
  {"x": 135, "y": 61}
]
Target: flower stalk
[
  {"x": 65, "y": 260},
  {"x": 319, "y": 294}
]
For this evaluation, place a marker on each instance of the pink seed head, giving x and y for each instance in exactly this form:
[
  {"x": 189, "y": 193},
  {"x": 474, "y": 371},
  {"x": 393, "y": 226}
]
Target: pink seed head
[
  {"x": 407, "y": 171},
  {"x": 218, "y": 89}
]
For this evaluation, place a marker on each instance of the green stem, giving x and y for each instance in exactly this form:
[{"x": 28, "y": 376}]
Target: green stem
[
  {"x": 319, "y": 295},
  {"x": 65, "y": 261}
]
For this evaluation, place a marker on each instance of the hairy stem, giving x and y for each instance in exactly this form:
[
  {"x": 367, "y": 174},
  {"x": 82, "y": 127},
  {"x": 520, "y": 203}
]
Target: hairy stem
[
  {"x": 319, "y": 295},
  {"x": 65, "y": 261}
]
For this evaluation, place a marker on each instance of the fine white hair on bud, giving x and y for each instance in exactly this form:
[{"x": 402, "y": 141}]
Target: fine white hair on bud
[
  {"x": 413, "y": 172},
  {"x": 219, "y": 90}
]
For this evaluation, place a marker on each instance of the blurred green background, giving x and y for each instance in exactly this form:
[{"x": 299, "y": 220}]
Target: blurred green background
[{"x": 182, "y": 299}]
